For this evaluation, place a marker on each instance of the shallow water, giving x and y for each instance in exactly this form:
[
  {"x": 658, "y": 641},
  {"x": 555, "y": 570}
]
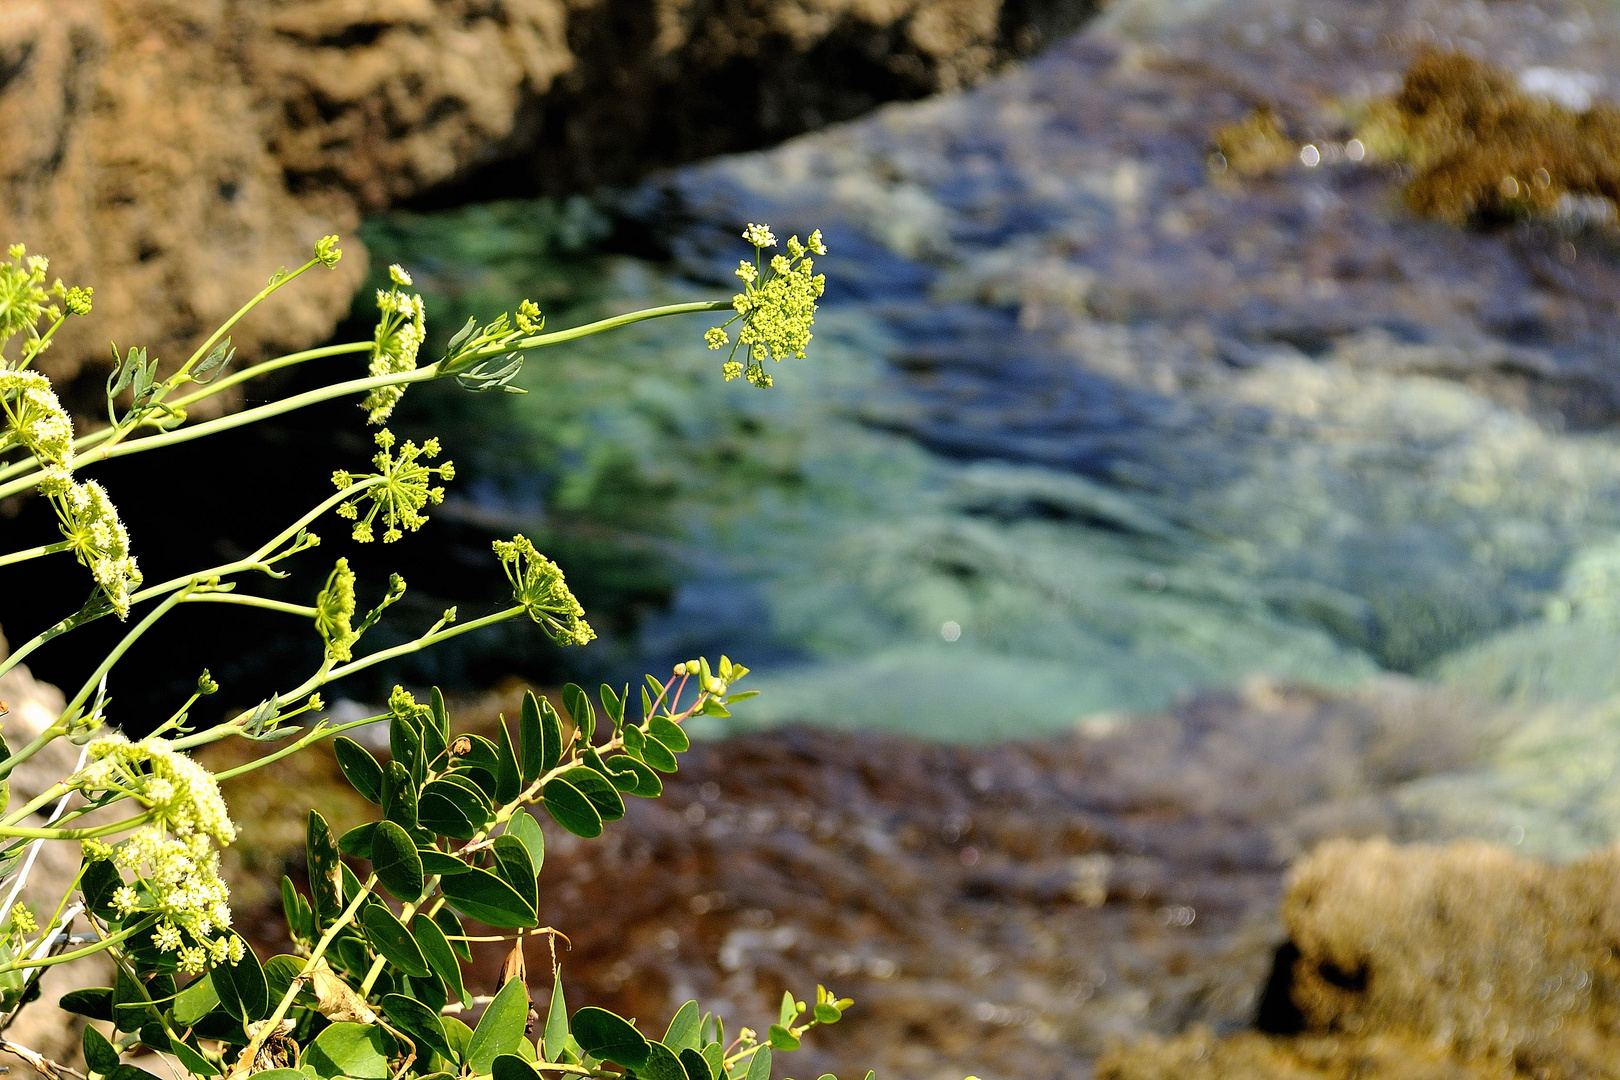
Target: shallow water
[{"x": 1087, "y": 426}]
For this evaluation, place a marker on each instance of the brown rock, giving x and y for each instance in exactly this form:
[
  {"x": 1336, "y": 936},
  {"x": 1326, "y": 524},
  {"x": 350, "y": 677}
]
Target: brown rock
[
  {"x": 1420, "y": 961},
  {"x": 173, "y": 152}
]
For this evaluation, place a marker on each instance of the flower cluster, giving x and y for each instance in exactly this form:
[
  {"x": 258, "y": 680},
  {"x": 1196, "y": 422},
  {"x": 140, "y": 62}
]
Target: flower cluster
[
  {"x": 174, "y": 858},
  {"x": 91, "y": 524},
  {"x": 327, "y": 251},
  {"x": 36, "y": 421},
  {"x": 776, "y": 309},
  {"x": 537, "y": 584},
  {"x": 25, "y": 300},
  {"x": 334, "y": 613},
  {"x": 398, "y": 338},
  {"x": 401, "y": 491}
]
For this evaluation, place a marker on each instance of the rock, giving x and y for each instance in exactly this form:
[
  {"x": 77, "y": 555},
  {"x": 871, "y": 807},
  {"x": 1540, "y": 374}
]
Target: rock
[
  {"x": 172, "y": 153},
  {"x": 1456, "y": 961},
  {"x": 1004, "y": 910}
]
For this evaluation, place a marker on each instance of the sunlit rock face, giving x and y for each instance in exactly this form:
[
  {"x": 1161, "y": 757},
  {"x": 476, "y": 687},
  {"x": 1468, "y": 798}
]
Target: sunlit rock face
[{"x": 172, "y": 153}]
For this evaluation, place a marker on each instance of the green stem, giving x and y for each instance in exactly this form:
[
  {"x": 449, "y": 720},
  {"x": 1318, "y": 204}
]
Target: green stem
[
  {"x": 315, "y": 735},
  {"x": 252, "y": 601},
  {"x": 557, "y": 337},
  {"x": 129, "y": 639},
  {"x": 244, "y": 1062},
  {"x": 36, "y": 552},
  {"x": 89, "y": 950},
  {"x": 317, "y": 681},
  {"x": 76, "y": 834}
]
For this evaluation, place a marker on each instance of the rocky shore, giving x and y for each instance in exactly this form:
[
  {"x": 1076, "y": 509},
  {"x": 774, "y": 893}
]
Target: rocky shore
[{"x": 172, "y": 153}]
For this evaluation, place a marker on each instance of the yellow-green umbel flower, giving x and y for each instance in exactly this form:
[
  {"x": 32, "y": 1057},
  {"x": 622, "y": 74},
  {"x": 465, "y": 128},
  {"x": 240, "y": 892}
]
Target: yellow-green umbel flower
[
  {"x": 90, "y": 522},
  {"x": 35, "y": 420},
  {"x": 398, "y": 338},
  {"x": 405, "y": 488},
  {"x": 776, "y": 309},
  {"x": 334, "y": 613},
  {"x": 538, "y": 584}
]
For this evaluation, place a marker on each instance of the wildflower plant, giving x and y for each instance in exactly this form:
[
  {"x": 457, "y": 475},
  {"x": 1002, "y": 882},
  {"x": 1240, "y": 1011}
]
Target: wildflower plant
[{"x": 372, "y": 979}]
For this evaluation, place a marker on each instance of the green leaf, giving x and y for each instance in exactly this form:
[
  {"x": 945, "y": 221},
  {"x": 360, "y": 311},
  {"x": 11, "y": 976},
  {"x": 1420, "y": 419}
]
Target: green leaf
[
  {"x": 348, "y": 1049},
  {"x": 429, "y": 991},
  {"x": 527, "y": 830},
  {"x": 659, "y": 756},
  {"x": 602, "y": 794},
  {"x": 398, "y": 866},
  {"x": 684, "y": 1027},
  {"x": 421, "y": 1024},
  {"x": 501, "y": 1028},
  {"x": 828, "y": 1014},
  {"x": 242, "y": 988},
  {"x": 788, "y": 1011},
  {"x": 193, "y": 1003},
  {"x": 447, "y": 921},
  {"x": 556, "y": 1034},
  {"x": 436, "y": 950},
  {"x": 579, "y": 708},
  {"x": 481, "y": 754},
  {"x": 294, "y": 908},
  {"x": 438, "y": 716},
  {"x": 99, "y": 1054},
  {"x": 760, "y": 1067},
  {"x": 531, "y": 740},
  {"x": 360, "y": 769},
  {"x": 439, "y": 862},
  {"x": 571, "y": 809},
  {"x": 130, "y": 1072},
  {"x": 399, "y": 796},
  {"x": 661, "y": 1064},
  {"x": 635, "y": 742},
  {"x": 513, "y": 866},
  {"x": 405, "y": 744},
  {"x": 459, "y": 1035},
  {"x": 551, "y": 724},
  {"x": 669, "y": 733},
  {"x": 390, "y": 938},
  {"x": 610, "y": 1037},
  {"x": 357, "y": 841},
  {"x": 508, "y": 780},
  {"x": 279, "y": 973},
  {"x": 612, "y": 703},
  {"x": 281, "y": 1074},
  {"x": 783, "y": 1039},
  {"x": 647, "y": 786},
  {"x": 324, "y": 874},
  {"x": 696, "y": 1065},
  {"x": 453, "y": 806},
  {"x": 192, "y": 1058},
  {"x": 481, "y": 895},
  {"x": 101, "y": 879},
  {"x": 714, "y": 1055},
  {"x": 96, "y": 1002},
  {"x": 513, "y": 1067},
  {"x": 621, "y": 781}
]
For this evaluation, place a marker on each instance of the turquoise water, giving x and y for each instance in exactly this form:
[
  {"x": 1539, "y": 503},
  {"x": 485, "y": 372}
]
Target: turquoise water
[{"x": 877, "y": 584}]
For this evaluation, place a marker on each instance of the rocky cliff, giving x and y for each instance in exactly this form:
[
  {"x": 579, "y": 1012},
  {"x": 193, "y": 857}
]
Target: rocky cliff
[{"x": 173, "y": 152}]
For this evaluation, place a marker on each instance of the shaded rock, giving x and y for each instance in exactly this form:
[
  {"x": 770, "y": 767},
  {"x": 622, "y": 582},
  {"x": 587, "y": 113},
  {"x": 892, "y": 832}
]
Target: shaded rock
[
  {"x": 173, "y": 152},
  {"x": 1462, "y": 961}
]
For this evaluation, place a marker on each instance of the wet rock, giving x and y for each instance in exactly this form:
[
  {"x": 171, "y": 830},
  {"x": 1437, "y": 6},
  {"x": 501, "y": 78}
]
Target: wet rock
[{"x": 172, "y": 152}]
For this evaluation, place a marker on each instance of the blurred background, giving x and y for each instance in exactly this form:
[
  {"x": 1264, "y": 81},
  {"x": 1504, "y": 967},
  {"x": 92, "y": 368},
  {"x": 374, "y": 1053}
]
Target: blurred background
[{"x": 1207, "y": 450}]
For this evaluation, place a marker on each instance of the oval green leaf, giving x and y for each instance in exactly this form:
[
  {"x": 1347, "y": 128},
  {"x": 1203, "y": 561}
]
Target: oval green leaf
[
  {"x": 526, "y": 829},
  {"x": 508, "y": 778},
  {"x": 602, "y": 794},
  {"x": 360, "y": 769},
  {"x": 440, "y": 957},
  {"x": 610, "y": 1037},
  {"x": 502, "y": 1027},
  {"x": 348, "y": 1049},
  {"x": 390, "y": 938},
  {"x": 420, "y": 1023},
  {"x": 571, "y": 809},
  {"x": 242, "y": 988},
  {"x": 479, "y": 894},
  {"x": 397, "y": 865}
]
